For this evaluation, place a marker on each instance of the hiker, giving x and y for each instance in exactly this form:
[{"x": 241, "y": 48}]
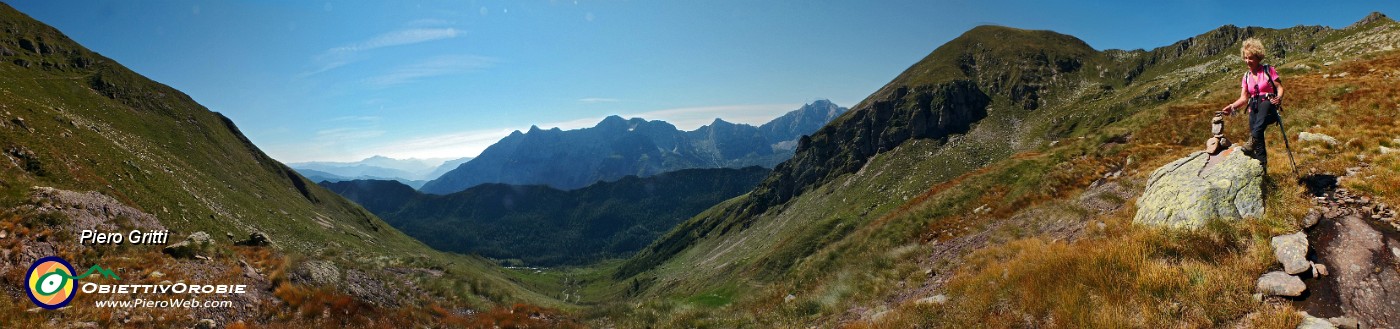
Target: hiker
[{"x": 1260, "y": 94}]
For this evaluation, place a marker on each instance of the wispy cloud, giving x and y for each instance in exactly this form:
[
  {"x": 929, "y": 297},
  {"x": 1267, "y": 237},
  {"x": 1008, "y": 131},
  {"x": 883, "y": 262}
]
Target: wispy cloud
[
  {"x": 595, "y": 100},
  {"x": 341, "y": 135},
  {"x": 429, "y": 22},
  {"x": 437, "y": 66},
  {"x": 346, "y": 54},
  {"x": 398, "y": 38},
  {"x": 356, "y": 118}
]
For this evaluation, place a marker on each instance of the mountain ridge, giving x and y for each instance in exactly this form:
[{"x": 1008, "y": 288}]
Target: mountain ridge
[
  {"x": 382, "y": 167},
  {"x": 616, "y": 147}
]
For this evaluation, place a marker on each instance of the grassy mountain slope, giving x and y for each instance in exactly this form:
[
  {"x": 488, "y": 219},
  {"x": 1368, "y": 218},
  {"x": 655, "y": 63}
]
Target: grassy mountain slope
[
  {"x": 543, "y": 226},
  {"x": 75, "y": 120},
  {"x": 876, "y": 211}
]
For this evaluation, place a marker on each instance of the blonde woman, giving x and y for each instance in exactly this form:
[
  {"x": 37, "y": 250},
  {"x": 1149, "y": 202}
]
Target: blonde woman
[{"x": 1261, "y": 90}]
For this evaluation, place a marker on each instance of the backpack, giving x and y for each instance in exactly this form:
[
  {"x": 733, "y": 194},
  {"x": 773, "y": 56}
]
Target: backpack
[
  {"x": 1268, "y": 73},
  {"x": 1272, "y": 117}
]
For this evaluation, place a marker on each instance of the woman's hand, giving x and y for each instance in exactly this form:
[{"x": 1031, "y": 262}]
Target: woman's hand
[
  {"x": 1228, "y": 110},
  {"x": 1275, "y": 99}
]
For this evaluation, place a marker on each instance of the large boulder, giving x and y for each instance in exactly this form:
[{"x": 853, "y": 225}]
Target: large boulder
[
  {"x": 1192, "y": 190},
  {"x": 197, "y": 244},
  {"x": 317, "y": 272}
]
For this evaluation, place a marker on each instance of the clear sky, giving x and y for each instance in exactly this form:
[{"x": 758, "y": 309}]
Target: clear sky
[{"x": 344, "y": 80}]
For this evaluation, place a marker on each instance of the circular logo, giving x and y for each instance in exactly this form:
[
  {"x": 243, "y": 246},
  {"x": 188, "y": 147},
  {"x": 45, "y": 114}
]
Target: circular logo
[{"x": 50, "y": 282}]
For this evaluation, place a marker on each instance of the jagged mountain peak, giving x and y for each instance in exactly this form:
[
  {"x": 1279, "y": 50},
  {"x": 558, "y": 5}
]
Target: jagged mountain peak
[
  {"x": 617, "y": 147},
  {"x": 720, "y": 122},
  {"x": 1375, "y": 16},
  {"x": 612, "y": 121}
]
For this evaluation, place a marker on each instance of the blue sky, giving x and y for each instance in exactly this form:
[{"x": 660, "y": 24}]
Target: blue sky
[{"x": 344, "y": 80}]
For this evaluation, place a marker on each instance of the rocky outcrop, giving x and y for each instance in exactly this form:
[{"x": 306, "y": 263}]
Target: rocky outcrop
[
  {"x": 316, "y": 272},
  {"x": 197, "y": 244},
  {"x": 928, "y": 112},
  {"x": 256, "y": 239},
  {"x": 90, "y": 210},
  {"x": 1197, "y": 188},
  {"x": 1318, "y": 138}
]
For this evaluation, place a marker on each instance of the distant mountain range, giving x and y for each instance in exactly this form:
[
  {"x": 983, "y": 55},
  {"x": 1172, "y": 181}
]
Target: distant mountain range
[
  {"x": 543, "y": 226},
  {"x": 618, "y": 147},
  {"x": 321, "y": 176},
  {"x": 413, "y": 172}
]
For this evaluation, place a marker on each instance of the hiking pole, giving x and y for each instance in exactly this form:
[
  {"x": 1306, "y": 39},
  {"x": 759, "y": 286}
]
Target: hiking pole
[{"x": 1286, "y": 147}]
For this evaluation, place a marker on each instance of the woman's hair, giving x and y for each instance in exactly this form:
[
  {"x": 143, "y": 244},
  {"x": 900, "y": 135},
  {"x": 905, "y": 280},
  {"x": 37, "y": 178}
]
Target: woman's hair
[{"x": 1252, "y": 47}]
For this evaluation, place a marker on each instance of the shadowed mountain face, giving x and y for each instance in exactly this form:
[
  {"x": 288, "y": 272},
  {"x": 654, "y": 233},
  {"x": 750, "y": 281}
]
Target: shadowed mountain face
[
  {"x": 73, "y": 122},
  {"x": 105, "y": 128},
  {"x": 544, "y": 226},
  {"x": 618, "y": 147}
]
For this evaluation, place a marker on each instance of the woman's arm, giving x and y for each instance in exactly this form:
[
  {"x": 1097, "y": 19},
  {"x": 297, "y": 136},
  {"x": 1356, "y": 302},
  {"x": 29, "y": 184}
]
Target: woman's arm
[
  {"x": 1278, "y": 92},
  {"x": 1244, "y": 98}
]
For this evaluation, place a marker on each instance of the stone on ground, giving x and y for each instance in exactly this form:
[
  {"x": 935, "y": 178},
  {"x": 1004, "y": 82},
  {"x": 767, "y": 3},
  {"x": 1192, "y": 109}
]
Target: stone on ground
[
  {"x": 1291, "y": 251},
  {"x": 1277, "y": 283}
]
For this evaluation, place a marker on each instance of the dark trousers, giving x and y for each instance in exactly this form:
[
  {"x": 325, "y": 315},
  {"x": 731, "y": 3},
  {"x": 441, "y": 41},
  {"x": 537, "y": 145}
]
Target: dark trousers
[{"x": 1261, "y": 115}]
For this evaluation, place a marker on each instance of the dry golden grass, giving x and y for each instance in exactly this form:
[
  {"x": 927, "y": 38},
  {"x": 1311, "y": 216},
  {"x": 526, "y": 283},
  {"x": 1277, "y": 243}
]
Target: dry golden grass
[{"x": 1130, "y": 276}]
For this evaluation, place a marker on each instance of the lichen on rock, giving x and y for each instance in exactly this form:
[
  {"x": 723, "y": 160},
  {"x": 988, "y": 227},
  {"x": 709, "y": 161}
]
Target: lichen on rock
[{"x": 1190, "y": 191}]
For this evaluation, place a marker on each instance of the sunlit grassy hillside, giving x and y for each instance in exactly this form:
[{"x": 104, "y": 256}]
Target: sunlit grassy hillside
[{"x": 1025, "y": 219}]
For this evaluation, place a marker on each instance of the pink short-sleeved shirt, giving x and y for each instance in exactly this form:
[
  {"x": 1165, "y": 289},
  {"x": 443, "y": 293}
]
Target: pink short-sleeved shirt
[{"x": 1255, "y": 83}]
